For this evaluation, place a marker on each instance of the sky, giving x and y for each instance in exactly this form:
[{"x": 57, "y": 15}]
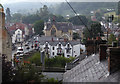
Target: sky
[{"x": 14, "y": 1}]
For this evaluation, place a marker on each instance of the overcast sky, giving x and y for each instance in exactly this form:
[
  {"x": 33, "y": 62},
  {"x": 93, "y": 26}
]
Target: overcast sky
[{"x": 14, "y": 1}]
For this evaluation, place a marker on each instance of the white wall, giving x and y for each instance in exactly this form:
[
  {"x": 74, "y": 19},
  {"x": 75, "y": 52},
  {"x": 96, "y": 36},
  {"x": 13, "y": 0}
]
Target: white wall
[
  {"x": 26, "y": 31},
  {"x": 65, "y": 51},
  {"x": 18, "y": 31},
  {"x": 75, "y": 49}
]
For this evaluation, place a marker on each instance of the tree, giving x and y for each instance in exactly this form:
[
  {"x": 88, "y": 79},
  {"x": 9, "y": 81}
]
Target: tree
[
  {"x": 76, "y": 36},
  {"x": 98, "y": 16},
  {"x": 28, "y": 73},
  {"x": 111, "y": 38},
  {"x": 76, "y": 21},
  {"x": 39, "y": 26},
  {"x": 30, "y": 19},
  {"x": 8, "y": 15},
  {"x": 17, "y": 17},
  {"x": 94, "y": 31}
]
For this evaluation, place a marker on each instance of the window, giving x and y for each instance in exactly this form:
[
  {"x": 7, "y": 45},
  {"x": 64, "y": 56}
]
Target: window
[
  {"x": 53, "y": 47},
  {"x": 68, "y": 55},
  {"x": 59, "y": 50},
  {"x": 59, "y": 45},
  {"x": 53, "y": 53},
  {"x": 53, "y": 32},
  {"x": 68, "y": 48},
  {"x": 68, "y": 45}
]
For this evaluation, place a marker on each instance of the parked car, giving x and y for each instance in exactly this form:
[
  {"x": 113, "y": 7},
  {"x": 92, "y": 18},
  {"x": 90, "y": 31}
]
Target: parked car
[
  {"x": 20, "y": 51},
  {"x": 27, "y": 43}
]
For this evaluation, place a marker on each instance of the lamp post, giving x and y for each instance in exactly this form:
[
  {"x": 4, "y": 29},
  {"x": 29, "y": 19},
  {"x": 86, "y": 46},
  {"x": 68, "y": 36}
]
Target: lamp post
[{"x": 110, "y": 19}]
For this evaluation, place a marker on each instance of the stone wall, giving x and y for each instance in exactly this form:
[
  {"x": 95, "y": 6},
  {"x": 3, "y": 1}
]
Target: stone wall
[
  {"x": 113, "y": 59},
  {"x": 5, "y": 39}
]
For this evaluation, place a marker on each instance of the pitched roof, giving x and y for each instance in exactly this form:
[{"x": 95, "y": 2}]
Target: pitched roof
[
  {"x": 54, "y": 43},
  {"x": 17, "y": 26},
  {"x": 91, "y": 70},
  {"x": 64, "y": 26}
]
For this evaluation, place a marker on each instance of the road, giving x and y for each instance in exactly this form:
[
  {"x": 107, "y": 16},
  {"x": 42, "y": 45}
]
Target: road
[{"x": 30, "y": 42}]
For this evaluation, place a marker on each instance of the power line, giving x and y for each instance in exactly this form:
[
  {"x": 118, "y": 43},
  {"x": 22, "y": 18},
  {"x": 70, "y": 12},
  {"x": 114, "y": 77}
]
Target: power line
[{"x": 78, "y": 17}]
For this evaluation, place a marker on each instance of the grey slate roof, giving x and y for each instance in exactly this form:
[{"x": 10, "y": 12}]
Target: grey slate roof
[
  {"x": 64, "y": 26},
  {"x": 54, "y": 43},
  {"x": 91, "y": 70}
]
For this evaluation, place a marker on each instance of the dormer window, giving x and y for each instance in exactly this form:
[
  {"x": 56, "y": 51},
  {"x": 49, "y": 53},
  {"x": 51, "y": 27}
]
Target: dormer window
[
  {"x": 68, "y": 49},
  {"x": 59, "y": 50},
  {"x": 59, "y": 46},
  {"x": 46, "y": 48}
]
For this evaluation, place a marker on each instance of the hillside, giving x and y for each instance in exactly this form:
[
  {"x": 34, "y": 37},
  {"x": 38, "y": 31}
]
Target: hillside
[
  {"x": 60, "y": 8},
  {"x": 83, "y": 7}
]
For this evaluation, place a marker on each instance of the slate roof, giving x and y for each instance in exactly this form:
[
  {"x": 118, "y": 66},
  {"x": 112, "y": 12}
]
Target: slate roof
[
  {"x": 91, "y": 70},
  {"x": 54, "y": 43},
  {"x": 64, "y": 26},
  {"x": 16, "y": 26}
]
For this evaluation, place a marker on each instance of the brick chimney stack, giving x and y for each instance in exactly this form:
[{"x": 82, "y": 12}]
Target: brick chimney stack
[
  {"x": 113, "y": 59},
  {"x": 52, "y": 39}
]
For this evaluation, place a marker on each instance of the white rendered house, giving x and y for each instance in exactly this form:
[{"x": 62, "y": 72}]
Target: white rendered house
[
  {"x": 18, "y": 36},
  {"x": 67, "y": 49}
]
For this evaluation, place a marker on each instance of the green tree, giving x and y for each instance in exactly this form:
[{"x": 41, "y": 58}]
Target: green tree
[
  {"x": 30, "y": 19},
  {"x": 98, "y": 16},
  {"x": 94, "y": 31},
  {"x": 16, "y": 17},
  {"x": 111, "y": 38},
  {"x": 8, "y": 15},
  {"x": 35, "y": 58},
  {"x": 76, "y": 21},
  {"x": 39, "y": 26},
  {"x": 27, "y": 73}
]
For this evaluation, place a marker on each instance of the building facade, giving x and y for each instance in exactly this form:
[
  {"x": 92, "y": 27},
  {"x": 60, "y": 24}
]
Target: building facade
[
  {"x": 61, "y": 48},
  {"x": 59, "y": 29},
  {"x": 20, "y": 31},
  {"x": 18, "y": 36}
]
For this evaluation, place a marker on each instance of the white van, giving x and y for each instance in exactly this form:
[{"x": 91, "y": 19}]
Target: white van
[{"x": 20, "y": 51}]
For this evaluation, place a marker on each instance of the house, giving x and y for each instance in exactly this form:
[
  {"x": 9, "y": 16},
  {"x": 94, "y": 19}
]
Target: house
[
  {"x": 59, "y": 48},
  {"x": 58, "y": 29},
  {"x": 79, "y": 30},
  {"x": 18, "y": 36},
  {"x": 19, "y": 31}
]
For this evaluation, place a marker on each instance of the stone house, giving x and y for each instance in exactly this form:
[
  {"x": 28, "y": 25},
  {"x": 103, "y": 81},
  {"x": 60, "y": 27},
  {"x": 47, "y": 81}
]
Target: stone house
[{"x": 59, "y": 29}]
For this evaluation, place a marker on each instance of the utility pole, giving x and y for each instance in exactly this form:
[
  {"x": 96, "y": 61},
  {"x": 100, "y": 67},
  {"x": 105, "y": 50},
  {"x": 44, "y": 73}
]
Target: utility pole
[{"x": 42, "y": 53}]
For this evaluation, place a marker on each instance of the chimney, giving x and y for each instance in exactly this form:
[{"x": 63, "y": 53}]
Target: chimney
[
  {"x": 52, "y": 39},
  {"x": 113, "y": 59},
  {"x": 103, "y": 51}
]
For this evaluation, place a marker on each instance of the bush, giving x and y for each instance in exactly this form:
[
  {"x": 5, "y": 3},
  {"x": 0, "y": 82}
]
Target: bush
[
  {"x": 36, "y": 58},
  {"x": 57, "y": 61}
]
